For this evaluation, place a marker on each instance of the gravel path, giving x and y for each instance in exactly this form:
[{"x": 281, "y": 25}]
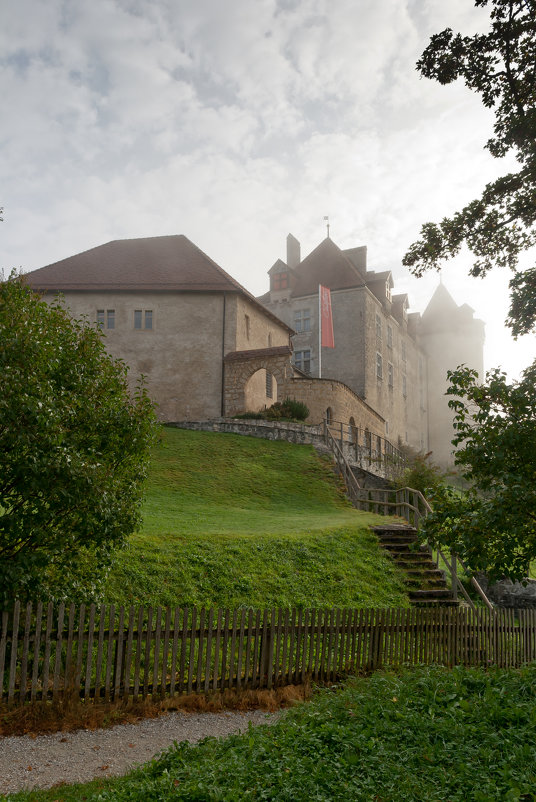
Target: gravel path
[{"x": 72, "y": 757}]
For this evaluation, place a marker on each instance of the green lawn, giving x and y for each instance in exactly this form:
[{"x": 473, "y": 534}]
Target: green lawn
[
  {"x": 235, "y": 521},
  {"x": 421, "y": 735}
]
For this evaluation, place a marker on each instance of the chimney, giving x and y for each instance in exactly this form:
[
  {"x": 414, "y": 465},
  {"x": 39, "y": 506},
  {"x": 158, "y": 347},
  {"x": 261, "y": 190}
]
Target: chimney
[{"x": 293, "y": 252}]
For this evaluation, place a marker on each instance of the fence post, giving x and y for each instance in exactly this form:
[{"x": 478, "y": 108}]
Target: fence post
[{"x": 454, "y": 573}]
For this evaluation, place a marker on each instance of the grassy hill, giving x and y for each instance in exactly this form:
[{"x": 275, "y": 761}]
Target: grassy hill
[{"x": 236, "y": 521}]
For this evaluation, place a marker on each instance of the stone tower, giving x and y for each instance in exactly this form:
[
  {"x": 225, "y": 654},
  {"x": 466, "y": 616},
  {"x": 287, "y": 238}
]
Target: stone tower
[{"x": 450, "y": 336}]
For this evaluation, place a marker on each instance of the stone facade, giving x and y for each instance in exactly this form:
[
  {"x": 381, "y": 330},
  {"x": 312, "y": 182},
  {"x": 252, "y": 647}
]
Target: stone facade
[
  {"x": 327, "y": 398},
  {"x": 244, "y": 367},
  {"x": 172, "y": 315},
  {"x": 392, "y": 360}
]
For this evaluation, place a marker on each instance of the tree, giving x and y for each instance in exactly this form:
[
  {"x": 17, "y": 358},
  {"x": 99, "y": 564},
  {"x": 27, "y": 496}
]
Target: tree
[
  {"x": 73, "y": 450},
  {"x": 501, "y": 66},
  {"x": 492, "y": 526}
]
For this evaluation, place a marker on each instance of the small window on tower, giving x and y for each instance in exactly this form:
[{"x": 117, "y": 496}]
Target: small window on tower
[
  {"x": 379, "y": 366},
  {"x": 280, "y": 281},
  {"x": 302, "y": 320},
  {"x": 378, "y": 327},
  {"x": 302, "y": 360}
]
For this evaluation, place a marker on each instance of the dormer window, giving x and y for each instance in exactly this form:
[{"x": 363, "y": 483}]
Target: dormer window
[
  {"x": 387, "y": 291},
  {"x": 280, "y": 281}
]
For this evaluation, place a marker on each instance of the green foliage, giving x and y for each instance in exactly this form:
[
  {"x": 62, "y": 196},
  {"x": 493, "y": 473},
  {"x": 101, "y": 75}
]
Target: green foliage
[
  {"x": 493, "y": 525},
  {"x": 288, "y": 410},
  {"x": 501, "y": 66},
  {"x": 421, "y": 473},
  {"x": 465, "y": 735},
  {"x": 73, "y": 446},
  {"x": 234, "y": 521}
]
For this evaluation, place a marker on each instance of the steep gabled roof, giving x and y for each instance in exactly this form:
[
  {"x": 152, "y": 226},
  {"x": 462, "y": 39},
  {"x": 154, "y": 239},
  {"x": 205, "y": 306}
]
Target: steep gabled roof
[
  {"x": 148, "y": 264},
  {"x": 326, "y": 265}
]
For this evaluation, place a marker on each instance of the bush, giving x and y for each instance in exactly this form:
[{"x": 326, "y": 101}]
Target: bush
[
  {"x": 288, "y": 409},
  {"x": 421, "y": 473}
]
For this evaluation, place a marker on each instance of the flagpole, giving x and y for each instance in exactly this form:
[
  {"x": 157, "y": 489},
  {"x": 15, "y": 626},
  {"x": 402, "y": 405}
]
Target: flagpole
[{"x": 319, "y": 333}]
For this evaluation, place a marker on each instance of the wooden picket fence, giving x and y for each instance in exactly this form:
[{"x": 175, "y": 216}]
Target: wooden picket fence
[{"x": 108, "y": 653}]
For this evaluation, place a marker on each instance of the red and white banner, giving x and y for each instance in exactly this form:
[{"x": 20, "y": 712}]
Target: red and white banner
[{"x": 326, "y": 319}]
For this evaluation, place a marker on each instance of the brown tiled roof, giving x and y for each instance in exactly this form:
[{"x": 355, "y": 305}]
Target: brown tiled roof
[
  {"x": 150, "y": 264},
  {"x": 326, "y": 265},
  {"x": 278, "y": 350}
]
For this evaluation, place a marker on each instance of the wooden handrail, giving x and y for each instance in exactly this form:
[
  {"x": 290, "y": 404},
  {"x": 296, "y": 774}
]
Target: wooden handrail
[{"x": 412, "y": 511}]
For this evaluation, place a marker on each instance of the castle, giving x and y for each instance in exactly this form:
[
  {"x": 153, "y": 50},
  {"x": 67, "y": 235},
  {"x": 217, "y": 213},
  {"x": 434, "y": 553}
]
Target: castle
[
  {"x": 396, "y": 361},
  {"x": 208, "y": 348}
]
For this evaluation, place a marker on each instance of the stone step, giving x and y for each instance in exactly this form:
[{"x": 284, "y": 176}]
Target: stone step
[
  {"x": 434, "y": 603},
  {"x": 426, "y": 583},
  {"x": 406, "y": 547},
  {"x": 426, "y": 573},
  {"x": 444, "y": 593}
]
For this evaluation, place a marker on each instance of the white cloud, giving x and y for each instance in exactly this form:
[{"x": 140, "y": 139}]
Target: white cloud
[{"x": 234, "y": 123}]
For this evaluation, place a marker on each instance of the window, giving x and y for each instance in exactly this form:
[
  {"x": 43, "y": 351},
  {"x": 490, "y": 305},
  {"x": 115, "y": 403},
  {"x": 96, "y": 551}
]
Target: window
[
  {"x": 269, "y": 385},
  {"x": 302, "y": 320},
  {"x": 280, "y": 281},
  {"x": 329, "y": 415},
  {"x": 109, "y": 317},
  {"x": 378, "y": 327},
  {"x": 403, "y": 350},
  {"x": 390, "y": 375},
  {"x": 143, "y": 318},
  {"x": 387, "y": 291},
  {"x": 389, "y": 336},
  {"x": 246, "y": 320},
  {"x": 379, "y": 366},
  {"x": 404, "y": 386},
  {"x": 302, "y": 360}
]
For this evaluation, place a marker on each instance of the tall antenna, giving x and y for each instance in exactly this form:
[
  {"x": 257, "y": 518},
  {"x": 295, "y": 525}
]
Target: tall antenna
[{"x": 326, "y": 218}]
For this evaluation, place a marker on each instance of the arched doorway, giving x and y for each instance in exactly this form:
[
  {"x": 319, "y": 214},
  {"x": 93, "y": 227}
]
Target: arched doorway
[{"x": 260, "y": 390}]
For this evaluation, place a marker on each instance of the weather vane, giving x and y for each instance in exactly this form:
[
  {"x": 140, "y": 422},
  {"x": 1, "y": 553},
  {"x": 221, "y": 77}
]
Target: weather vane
[{"x": 326, "y": 218}]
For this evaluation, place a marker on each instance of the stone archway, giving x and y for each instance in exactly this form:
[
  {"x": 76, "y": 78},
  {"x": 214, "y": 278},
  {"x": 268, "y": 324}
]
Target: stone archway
[{"x": 240, "y": 367}]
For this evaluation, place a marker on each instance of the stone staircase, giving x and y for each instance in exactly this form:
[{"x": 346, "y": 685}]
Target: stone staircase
[{"x": 427, "y": 584}]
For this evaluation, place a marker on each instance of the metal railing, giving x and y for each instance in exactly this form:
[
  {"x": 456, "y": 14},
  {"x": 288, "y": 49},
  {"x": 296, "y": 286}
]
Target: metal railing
[
  {"x": 405, "y": 503},
  {"x": 367, "y": 449}
]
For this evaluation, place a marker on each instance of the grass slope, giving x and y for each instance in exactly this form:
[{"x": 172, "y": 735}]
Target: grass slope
[
  {"x": 235, "y": 521},
  {"x": 423, "y": 735}
]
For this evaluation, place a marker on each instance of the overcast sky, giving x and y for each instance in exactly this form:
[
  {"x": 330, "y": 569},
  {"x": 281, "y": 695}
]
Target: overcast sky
[{"x": 235, "y": 122}]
